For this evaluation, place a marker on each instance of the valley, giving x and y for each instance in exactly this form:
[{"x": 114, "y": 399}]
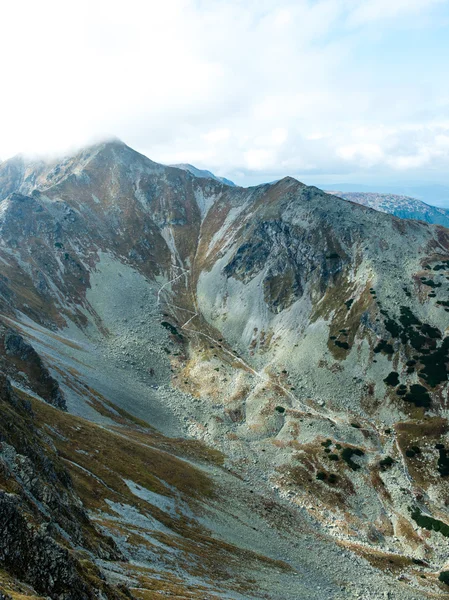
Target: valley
[{"x": 243, "y": 391}]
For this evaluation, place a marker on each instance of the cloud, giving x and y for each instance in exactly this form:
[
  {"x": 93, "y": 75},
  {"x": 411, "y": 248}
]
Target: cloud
[
  {"x": 367, "y": 154},
  {"x": 380, "y": 10},
  {"x": 251, "y": 89}
]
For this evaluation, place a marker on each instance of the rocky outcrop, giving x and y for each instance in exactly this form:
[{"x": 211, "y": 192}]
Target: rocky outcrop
[
  {"x": 32, "y": 555},
  {"x": 42, "y": 520},
  {"x": 20, "y": 359}
]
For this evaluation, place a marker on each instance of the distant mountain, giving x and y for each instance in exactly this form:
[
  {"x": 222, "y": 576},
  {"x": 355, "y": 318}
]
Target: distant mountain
[
  {"x": 203, "y": 174},
  {"x": 435, "y": 194},
  {"x": 399, "y": 206}
]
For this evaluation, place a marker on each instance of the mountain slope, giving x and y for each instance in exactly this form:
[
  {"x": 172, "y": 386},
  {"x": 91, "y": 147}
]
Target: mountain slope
[
  {"x": 400, "y": 206},
  {"x": 301, "y": 335},
  {"x": 202, "y": 173}
]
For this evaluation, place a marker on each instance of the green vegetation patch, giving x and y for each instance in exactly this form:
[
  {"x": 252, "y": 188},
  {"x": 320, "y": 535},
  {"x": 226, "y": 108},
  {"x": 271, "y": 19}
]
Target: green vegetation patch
[
  {"x": 328, "y": 477},
  {"x": 407, "y": 318},
  {"x": 390, "y": 325},
  {"x": 431, "y": 283},
  {"x": 430, "y": 523},
  {"x": 171, "y": 328},
  {"x": 443, "y": 461},
  {"x": 385, "y": 347},
  {"x": 444, "y": 577},
  {"x": 435, "y": 367},
  {"x": 432, "y": 332},
  {"x": 348, "y": 453},
  {"x": 349, "y": 303},
  {"x": 418, "y": 395},
  {"x": 392, "y": 379},
  {"x": 343, "y": 345},
  {"x": 386, "y": 462}
]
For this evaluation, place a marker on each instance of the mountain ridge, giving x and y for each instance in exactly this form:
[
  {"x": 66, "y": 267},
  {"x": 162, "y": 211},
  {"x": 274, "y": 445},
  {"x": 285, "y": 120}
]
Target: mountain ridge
[
  {"x": 202, "y": 173},
  {"x": 300, "y": 336}
]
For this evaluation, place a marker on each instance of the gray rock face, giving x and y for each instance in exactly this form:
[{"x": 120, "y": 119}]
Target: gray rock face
[
  {"x": 34, "y": 556},
  {"x": 39, "y": 508},
  {"x": 203, "y": 174},
  {"x": 19, "y": 355}
]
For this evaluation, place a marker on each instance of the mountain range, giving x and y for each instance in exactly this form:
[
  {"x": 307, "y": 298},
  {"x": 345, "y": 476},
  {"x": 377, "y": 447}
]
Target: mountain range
[
  {"x": 211, "y": 391},
  {"x": 400, "y": 206},
  {"x": 435, "y": 194}
]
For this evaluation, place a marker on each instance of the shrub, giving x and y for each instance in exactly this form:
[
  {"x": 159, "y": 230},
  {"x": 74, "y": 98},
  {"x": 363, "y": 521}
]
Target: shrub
[
  {"x": 392, "y": 378},
  {"x": 343, "y": 345},
  {"x": 444, "y": 577},
  {"x": 171, "y": 328},
  {"x": 280, "y": 409},
  {"x": 443, "y": 461},
  {"x": 386, "y": 462},
  {"x": 349, "y": 303},
  {"x": 383, "y": 346},
  {"x": 418, "y": 395},
  {"x": 347, "y": 455},
  {"x": 430, "y": 523}
]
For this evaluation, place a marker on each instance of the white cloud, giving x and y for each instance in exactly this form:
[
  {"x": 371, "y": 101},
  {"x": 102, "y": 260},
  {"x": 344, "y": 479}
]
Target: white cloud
[
  {"x": 217, "y": 135},
  {"x": 367, "y": 154},
  {"x": 365, "y": 11},
  {"x": 271, "y": 86},
  {"x": 258, "y": 159}
]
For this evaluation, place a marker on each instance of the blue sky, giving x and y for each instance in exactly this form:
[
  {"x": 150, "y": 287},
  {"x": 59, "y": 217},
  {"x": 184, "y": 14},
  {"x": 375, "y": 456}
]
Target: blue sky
[{"x": 327, "y": 91}]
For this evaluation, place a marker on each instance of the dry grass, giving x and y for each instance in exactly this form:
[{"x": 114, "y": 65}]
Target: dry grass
[
  {"x": 424, "y": 433},
  {"x": 17, "y": 591},
  {"x": 104, "y": 458},
  {"x": 113, "y": 457},
  {"x": 404, "y": 529},
  {"x": 384, "y": 561}
]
